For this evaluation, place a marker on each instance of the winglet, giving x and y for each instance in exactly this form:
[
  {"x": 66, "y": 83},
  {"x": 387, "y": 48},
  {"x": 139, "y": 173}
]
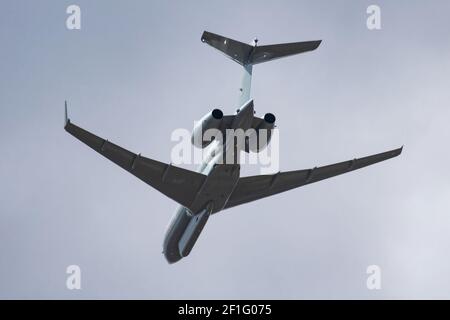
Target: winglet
[
  {"x": 66, "y": 118},
  {"x": 396, "y": 152}
]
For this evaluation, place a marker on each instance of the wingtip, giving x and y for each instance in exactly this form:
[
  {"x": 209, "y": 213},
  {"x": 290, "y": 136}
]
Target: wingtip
[
  {"x": 66, "y": 117},
  {"x": 318, "y": 43},
  {"x": 204, "y": 35},
  {"x": 398, "y": 151}
]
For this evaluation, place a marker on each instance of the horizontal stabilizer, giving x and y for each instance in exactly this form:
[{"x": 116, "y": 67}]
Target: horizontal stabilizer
[
  {"x": 276, "y": 51},
  {"x": 246, "y": 54}
]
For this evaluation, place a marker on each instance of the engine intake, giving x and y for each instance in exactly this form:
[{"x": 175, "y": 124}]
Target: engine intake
[
  {"x": 211, "y": 120},
  {"x": 262, "y": 136},
  {"x": 269, "y": 118}
]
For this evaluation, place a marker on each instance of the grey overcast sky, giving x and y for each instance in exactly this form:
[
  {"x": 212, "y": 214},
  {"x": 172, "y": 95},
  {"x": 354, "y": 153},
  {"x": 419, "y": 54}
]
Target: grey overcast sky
[{"x": 137, "y": 70}]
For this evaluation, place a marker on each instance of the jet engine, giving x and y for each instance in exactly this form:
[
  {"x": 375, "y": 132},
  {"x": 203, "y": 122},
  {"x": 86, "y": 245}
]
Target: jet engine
[
  {"x": 211, "y": 120},
  {"x": 262, "y": 135}
]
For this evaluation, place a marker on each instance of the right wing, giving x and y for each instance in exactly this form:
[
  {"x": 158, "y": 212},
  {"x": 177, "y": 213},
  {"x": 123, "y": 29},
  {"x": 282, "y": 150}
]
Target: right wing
[
  {"x": 256, "y": 187},
  {"x": 178, "y": 184}
]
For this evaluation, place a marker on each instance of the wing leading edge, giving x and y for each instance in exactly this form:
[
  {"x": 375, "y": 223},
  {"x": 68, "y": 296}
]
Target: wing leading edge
[
  {"x": 256, "y": 187},
  {"x": 178, "y": 184}
]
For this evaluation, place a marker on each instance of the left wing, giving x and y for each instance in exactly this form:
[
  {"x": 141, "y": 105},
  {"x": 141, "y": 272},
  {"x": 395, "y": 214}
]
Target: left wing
[
  {"x": 178, "y": 184},
  {"x": 256, "y": 187}
]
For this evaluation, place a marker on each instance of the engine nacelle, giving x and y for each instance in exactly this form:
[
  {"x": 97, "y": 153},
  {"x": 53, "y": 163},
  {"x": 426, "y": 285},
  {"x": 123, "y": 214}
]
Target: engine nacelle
[
  {"x": 262, "y": 136},
  {"x": 211, "y": 120}
]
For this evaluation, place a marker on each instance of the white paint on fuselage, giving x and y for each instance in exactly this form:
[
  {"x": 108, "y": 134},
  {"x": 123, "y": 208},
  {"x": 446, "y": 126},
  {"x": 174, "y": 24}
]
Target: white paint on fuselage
[{"x": 214, "y": 156}]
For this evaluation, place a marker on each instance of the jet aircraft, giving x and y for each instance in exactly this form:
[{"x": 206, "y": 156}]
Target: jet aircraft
[{"x": 217, "y": 184}]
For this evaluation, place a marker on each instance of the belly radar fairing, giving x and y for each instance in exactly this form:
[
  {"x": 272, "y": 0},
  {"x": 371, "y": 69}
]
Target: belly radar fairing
[{"x": 217, "y": 184}]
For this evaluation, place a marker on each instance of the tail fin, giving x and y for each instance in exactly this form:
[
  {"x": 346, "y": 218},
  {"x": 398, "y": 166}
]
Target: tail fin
[{"x": 246, "y": 54}]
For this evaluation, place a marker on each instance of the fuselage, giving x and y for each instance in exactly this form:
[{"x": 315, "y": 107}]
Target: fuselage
[{"x": 222, "y": 177}]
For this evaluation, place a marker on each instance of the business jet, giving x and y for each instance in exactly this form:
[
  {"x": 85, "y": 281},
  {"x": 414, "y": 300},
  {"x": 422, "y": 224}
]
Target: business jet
[{"x": 217, "y": 184}]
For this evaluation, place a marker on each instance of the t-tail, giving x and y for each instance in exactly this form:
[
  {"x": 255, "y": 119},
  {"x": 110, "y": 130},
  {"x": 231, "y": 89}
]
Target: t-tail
[{"x": 248, "y": 55}]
